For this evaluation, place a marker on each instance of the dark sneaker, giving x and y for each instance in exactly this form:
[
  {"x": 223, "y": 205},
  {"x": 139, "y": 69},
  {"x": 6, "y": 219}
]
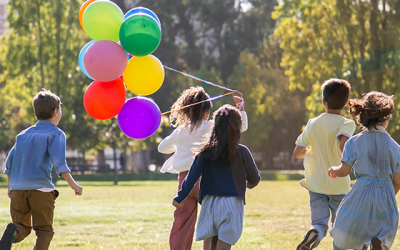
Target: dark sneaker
[
  {"x": 8, "y": 237},
  {"x": 309, "y": 239},
  {"x": 376, "y": 244}
]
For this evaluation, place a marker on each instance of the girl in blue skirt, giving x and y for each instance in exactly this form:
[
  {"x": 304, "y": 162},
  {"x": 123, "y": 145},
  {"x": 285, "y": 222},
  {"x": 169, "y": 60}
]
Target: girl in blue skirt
[{"x": 368, "y": 215}]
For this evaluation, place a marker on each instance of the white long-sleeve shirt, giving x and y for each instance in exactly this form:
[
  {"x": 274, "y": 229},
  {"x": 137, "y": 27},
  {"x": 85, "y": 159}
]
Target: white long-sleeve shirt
[{"x": 184, "y": 143}]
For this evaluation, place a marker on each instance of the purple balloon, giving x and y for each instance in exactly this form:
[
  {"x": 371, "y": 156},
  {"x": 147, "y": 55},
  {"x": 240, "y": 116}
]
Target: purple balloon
[{"x": 139, "y": 118}]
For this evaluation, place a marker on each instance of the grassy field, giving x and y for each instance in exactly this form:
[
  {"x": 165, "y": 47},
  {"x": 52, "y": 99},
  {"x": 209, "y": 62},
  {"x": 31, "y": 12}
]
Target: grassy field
[{"x": 138, "y": 215}]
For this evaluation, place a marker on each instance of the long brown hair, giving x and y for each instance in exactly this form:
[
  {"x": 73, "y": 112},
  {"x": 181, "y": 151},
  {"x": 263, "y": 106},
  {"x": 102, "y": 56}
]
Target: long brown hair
[
  {"x": 191, "y": 116},
  {"x": 223, "y": 142},
  {"x": 373, "y": 108}
]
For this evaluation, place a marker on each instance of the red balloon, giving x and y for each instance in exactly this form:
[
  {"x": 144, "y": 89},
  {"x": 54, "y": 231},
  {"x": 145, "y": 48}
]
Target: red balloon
[{"x": 104, "y": 100}]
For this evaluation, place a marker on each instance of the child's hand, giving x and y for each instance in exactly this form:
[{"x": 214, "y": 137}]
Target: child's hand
[
  {"x": 175, "y": 204},
  {"x": 78, "y": 189},
  {"x": 9, "y": 193},
  {"x": 331, "y": 173},
  {"x": 236, "y": 96}
]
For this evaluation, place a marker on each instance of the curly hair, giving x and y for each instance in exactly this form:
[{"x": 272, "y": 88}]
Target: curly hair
[
  {"x": 191, "y": 116},
  {"x": 373, "y": 108},
  {"x": 222, "y": 143}
]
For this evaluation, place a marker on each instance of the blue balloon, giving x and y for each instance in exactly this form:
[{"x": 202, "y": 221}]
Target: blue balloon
[
  {"x": 144, "y": 11},
  {"x": 82, "y": 55}
]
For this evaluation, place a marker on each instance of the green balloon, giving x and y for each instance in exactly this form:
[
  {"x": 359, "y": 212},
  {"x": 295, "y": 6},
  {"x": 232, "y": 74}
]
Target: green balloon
[
  {"x": 102, "y": 20},
  {"x": 140, "y": 35}
]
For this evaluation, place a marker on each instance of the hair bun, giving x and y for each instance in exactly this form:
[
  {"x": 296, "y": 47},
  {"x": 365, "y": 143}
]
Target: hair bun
[{"x": 356, "y": 107}]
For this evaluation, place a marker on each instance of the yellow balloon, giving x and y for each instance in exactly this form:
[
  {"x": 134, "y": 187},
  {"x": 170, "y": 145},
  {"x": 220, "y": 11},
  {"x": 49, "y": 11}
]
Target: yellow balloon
[{"x": 144, "y": 75}]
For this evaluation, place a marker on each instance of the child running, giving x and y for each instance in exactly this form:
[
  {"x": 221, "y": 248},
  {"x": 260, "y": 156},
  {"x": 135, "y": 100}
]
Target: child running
[
  {"x": 368, "y": 214},
  {"x": 321, "y": 145},
  {"x": 226, "y": 168},
  {"x": 37, "y": 150},
  {"x": 192, "y": 124}
]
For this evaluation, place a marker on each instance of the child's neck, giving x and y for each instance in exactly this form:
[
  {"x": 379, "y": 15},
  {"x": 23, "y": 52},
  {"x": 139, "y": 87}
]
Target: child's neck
[{"x": 334, "y": 111}]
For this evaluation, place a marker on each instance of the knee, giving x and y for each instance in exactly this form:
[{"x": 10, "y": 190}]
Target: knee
[
  {"x": 44, "y": 230},
  {"x": 21, "y": 232}
]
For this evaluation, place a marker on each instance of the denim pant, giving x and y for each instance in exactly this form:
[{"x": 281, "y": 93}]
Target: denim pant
[{"x": 322, "y": 206}]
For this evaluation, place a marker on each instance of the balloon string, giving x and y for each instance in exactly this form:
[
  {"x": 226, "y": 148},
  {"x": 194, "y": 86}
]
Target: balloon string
[
  {"x": 208, "y": 100},
  {"x": 198, "y": 79}
]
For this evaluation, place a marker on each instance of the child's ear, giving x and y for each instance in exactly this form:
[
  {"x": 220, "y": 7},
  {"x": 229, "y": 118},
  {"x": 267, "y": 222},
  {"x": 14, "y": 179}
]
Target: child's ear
[
  {"x": 347, "y": 102},
  {"x": 54, "y": 112}
]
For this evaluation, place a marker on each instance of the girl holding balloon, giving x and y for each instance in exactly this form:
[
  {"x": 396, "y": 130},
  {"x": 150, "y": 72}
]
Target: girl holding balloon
[{"x": 192, "y": 125}]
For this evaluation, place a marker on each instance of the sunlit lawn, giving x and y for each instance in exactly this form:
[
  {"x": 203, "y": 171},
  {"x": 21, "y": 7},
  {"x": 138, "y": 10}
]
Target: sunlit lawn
[{"x": 138, "y": 215}]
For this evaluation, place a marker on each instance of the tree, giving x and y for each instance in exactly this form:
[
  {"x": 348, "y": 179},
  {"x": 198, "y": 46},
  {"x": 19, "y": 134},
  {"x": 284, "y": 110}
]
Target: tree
[{"x": 354, "y": 40}]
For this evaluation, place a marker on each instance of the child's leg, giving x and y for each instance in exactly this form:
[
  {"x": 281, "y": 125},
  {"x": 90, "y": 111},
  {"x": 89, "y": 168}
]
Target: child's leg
[
  {"x": 207, "y": 244},
  {"x": 334, "y": 202},
  {"x": 217, "y": 244},
  {"x": 181, "y": 236},
  {"x": 21, "y": 214},
  {"x": 42, "y": 205},
  {"x": 214, "y": 242},
  {"x": 320, "y": 213},
  {"x": 223, "y": 246}
]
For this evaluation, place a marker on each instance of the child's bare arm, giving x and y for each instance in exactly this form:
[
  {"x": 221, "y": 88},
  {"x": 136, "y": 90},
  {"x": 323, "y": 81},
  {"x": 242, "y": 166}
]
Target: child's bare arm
[
  {"x": 396, "y": 182},
  {"x": 339, "y": 171},
  {"x": 343, "y": 139},
  {"x": 68, "y": 177},
  {"x": 299, "y": 152}
]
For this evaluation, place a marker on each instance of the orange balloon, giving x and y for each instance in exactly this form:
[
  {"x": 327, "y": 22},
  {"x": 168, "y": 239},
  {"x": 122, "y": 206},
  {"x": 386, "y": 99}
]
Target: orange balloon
[{"x": 82, "y": 10}]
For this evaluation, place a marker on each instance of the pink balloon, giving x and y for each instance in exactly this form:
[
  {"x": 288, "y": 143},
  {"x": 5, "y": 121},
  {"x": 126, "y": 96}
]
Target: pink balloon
[{"x": 105, "y": 60}]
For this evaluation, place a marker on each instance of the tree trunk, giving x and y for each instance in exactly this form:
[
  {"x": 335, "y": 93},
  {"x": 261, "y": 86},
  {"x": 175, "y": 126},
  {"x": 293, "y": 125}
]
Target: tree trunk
[
  {"x": 115, "y": 164},
  {"x": 39, "y": 43},
  {"x": 101, "y": 161},
  {"x": 58, "y": 18}
]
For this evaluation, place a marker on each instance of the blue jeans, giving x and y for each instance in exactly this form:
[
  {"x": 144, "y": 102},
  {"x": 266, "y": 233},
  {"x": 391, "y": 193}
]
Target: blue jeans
[{"x": 322, "y": 206}]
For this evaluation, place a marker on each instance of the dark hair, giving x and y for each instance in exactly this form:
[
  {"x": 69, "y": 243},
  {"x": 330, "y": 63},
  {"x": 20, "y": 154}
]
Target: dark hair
[
  {"x": 335, "y": 92},
  {"x": 44, "y": 104},
  {"x": 191, "y": 116},
  {"x": 222, "y": 144},
  {"x": 375, "y": 107}
]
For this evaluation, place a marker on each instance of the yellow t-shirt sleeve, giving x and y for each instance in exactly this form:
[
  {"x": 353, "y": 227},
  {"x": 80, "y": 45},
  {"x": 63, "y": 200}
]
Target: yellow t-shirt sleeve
[
  {"x": 303, "y": 139},
  {"x": 347, "y": 129}
]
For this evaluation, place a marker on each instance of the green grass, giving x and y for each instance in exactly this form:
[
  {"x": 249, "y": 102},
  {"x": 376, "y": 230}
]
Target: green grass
[{"x": 138, "y": 215}]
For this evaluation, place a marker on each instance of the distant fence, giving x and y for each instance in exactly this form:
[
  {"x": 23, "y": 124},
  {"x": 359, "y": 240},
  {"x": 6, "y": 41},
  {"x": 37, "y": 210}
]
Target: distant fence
[{"x": 82, "y": 168}]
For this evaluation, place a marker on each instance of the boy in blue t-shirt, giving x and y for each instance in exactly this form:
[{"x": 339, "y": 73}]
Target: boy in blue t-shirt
[{"x": 36, "y": 151}]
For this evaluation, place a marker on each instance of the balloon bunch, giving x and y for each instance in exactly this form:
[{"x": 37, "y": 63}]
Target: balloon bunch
[{"x": 119, "y": 56}]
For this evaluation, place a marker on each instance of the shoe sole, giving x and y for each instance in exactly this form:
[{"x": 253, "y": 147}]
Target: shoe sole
[
  {"x": 376, "y": 244},
  {"x": 5, "y": 242},
  {"x": 310, "y": 238}
]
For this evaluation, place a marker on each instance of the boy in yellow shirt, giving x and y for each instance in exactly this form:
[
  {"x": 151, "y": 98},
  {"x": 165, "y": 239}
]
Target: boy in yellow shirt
[{"x": 321, "y": 145}]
